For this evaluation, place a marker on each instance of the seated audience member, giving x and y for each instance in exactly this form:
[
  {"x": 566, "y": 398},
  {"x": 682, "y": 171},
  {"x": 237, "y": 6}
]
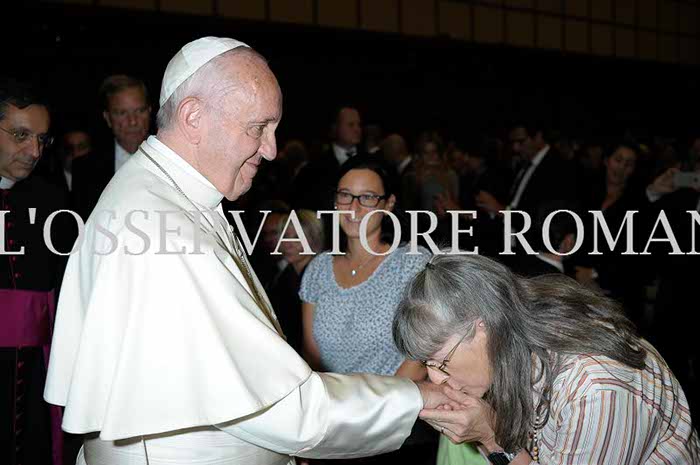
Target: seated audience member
[
  {"x": 284, "y": 293},
  {"x": 561, "y": 233},
  {"x": 314, "y": 183},
  {"x": 268, "y": 267},
  {"x": 30, "y": 275},
  {"x": 395, "y": 152},
  {"x": 433, "y": 176},
  {"x": 614, "y": 193},
  {"x": 547, "y": 370},
  {"x": 676, "y": 298},
  {"x": 348, "y": 300},
  {"x": 373, "y": 139},
  {"x": 127, "y": 113},
  {"x": 481, "y": 173},
  {"x": 75, "y": 143},
  {"x": 543, "y": 175}
]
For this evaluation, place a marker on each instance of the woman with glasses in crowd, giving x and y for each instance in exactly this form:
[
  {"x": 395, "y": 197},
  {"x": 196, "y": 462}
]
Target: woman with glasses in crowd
[
  {"x": 548, "y": 370},
  {"x": 349, "y": 299}
]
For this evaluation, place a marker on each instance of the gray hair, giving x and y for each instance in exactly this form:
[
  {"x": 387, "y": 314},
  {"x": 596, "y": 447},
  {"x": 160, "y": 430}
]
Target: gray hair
[
  {"x": 526, "y": 320},
  {"x": 204, "y": 84}
]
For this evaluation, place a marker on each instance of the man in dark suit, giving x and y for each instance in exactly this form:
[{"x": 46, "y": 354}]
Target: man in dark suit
[
  {"x": 316, "y": 181},
  {"x": 562, "y": 236},
  {"x": 30, "y": 271},
  {"x": 395, "y": 151},
  {"x": 127, "y": 112},
  {"x": 544, "y": 175}
]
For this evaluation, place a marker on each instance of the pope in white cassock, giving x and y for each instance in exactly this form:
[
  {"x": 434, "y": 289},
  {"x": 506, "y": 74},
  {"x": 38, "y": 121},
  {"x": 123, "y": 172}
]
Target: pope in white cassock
[{"x": 165, "y": 349}]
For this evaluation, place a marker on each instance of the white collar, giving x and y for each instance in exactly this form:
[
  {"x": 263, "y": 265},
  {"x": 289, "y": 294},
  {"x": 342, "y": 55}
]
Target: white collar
[
  {"x": 342, "y": 153},
  {"x": 537, "y": 159},
  {"x": 558, "y": 264},
  {"x": 6, "y": 183},
  {"x": 403, "y": 164},
  {"x": 192, "y": 182}
]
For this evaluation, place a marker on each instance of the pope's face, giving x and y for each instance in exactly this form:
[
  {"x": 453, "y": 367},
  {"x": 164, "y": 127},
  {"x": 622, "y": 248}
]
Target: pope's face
[
  {"x": 20, "y": 146},
  {"x": 240, "y": 132}
]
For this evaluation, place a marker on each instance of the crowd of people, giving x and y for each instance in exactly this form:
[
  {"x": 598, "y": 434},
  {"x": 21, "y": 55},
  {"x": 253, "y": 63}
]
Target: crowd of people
[{"x": 519, "y": 320}]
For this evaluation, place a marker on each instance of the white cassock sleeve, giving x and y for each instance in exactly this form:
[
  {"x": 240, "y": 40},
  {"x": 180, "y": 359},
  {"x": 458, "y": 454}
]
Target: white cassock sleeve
[{"x": 335, "y": 416}]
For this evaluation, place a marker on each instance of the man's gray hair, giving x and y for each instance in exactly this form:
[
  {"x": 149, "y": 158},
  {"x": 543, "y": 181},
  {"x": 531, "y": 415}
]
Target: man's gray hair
[{"x": 537, "y": 319}]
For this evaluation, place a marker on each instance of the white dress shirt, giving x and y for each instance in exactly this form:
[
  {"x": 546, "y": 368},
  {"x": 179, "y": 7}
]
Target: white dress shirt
[
  {"x": 558, "y": 264},
  {"x": 121, "y": 156},
  {"x": 6, "y": 183},
  {"x": 526, "y": 177},
  {"x": 342, "y": 154}
]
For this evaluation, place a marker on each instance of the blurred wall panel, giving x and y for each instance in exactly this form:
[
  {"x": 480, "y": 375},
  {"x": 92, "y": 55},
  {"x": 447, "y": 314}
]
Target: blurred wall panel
[
  {"x": 648, "y": 13},
  {"x": 624, "y": 43},
  {"x": 292, "y": 11},
  {"x": 601, "y": 39},
  {"x": 194, "y": 7},
  {"x": 338, "y": 13},
  {"x": 549, "y": 32},
  {"x": 648, "y": 45},
  {"x": 380, "y": 15},
  {"x": 135, "y": 4},
  {"x": 488, "y": 24},
  {"x": 576, "y": 33},
  {"x": 418, "y": 17},
  {"x": 249, "y": 9},
  {"x": 520, "y": 29},
  {"x": 601, "y": 10},
  {"x": 455, "y": 20}
]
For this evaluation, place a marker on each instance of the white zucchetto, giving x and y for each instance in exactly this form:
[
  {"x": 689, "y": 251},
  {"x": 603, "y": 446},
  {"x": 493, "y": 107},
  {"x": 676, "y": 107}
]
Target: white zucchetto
[{"x": 190, "y": 58}]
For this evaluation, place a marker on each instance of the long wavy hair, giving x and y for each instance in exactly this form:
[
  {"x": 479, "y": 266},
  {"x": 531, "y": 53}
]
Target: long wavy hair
[{"x": 530, "y": 324}]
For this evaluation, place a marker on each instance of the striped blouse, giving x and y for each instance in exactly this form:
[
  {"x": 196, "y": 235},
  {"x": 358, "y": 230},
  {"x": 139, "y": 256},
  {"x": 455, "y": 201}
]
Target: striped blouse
[{"x": 603, "y": 412}]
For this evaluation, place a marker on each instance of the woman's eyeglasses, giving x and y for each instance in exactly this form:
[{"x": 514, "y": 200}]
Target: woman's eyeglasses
[{"x": 366, "y": 200}]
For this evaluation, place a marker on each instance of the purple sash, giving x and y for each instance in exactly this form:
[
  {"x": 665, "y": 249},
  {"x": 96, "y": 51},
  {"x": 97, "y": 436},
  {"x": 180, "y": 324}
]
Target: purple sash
[{"x": 26, "y": 320}]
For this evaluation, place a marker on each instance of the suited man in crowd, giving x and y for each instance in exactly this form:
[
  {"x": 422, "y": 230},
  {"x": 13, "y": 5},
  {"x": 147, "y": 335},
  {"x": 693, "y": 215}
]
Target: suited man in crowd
[
  {"x": 543, "y": 175},
  {"x": 30, "y": 430},
  {"x": 314, "y": 184},
  {"x": 127, "y": 113}
]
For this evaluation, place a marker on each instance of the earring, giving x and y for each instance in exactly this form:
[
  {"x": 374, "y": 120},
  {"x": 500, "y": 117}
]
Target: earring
[{"x": 335, "y": 207}]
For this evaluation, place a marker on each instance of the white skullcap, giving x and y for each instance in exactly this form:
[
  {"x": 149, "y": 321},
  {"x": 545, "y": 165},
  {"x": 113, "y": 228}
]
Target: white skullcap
[{"x": 190, "y": 58}]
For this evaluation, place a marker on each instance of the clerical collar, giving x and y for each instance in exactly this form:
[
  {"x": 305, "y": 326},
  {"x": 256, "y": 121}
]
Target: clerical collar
[
  {"x": 6, "y": 183},
  {"x": 192, "y": 182}
]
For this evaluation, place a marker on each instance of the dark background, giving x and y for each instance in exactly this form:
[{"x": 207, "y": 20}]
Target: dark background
[{"x": 402, "y": 83}]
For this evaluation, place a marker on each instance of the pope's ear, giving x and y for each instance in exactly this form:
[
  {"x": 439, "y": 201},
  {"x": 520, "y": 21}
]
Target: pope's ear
[{"x": 189, "y": 119}]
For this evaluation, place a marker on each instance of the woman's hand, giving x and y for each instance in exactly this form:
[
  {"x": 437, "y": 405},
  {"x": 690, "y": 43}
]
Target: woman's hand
[
  {"x": 471, "y": 422},
  {"x": 664, "y": 183}
]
